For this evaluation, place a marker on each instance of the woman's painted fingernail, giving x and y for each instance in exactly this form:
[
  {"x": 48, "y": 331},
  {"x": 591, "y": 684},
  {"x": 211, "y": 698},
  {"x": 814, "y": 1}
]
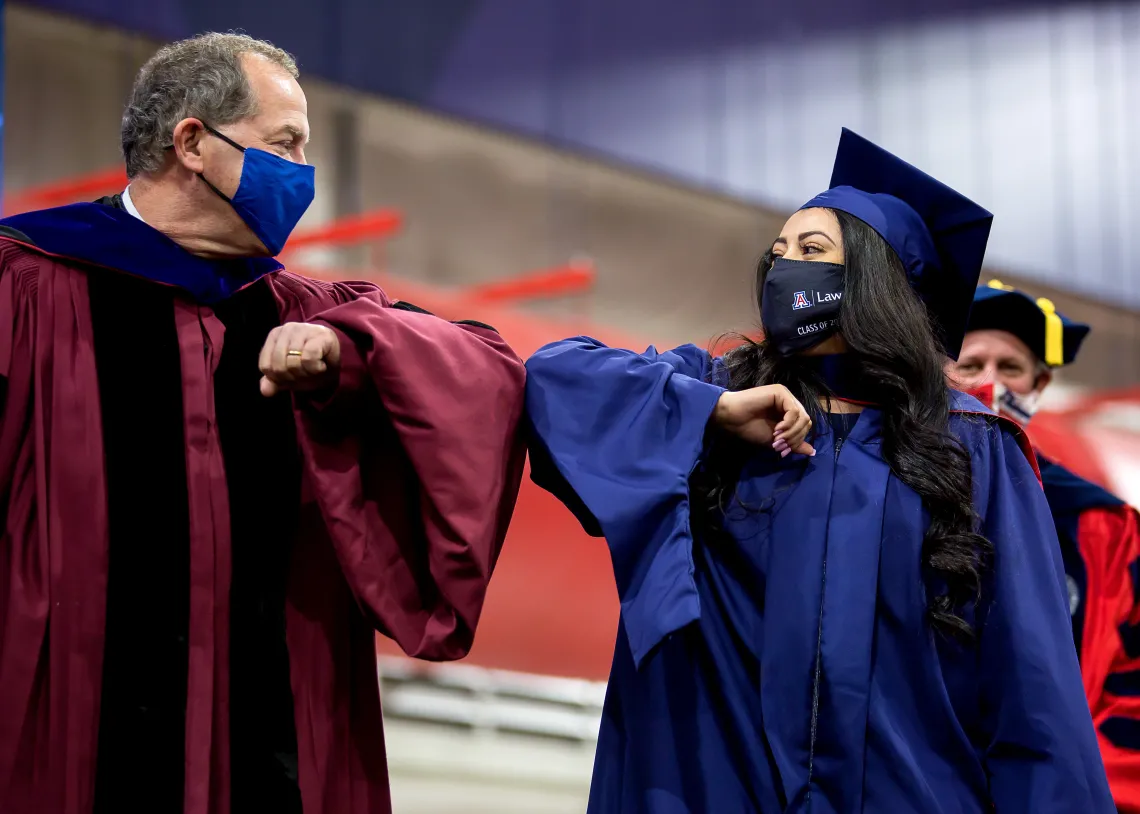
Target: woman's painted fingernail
[
  {"x": 785, "y": 453},
  {"x": 780, "y": 445},
  {"x": 811, "y": 454}
]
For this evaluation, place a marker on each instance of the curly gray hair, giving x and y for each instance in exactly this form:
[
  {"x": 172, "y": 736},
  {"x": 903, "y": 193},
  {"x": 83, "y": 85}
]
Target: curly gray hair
[{"x": 201, "y": 77}]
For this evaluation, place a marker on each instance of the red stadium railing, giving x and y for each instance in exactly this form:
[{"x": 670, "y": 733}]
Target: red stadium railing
[
  {"x": 347, "y": 231},
  {"x": 70, "y": 190},
  {"x": 573, "y": 278}
]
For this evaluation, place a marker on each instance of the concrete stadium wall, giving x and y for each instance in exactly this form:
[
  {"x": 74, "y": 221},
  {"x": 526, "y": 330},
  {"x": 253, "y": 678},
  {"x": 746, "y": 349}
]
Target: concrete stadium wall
[{"x": 675, "y": 264}]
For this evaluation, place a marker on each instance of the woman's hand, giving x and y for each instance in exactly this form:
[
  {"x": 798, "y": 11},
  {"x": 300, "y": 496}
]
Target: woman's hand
[{"x": 766, "y": 415}]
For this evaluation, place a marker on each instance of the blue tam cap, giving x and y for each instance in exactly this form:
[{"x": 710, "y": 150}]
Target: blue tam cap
[
  {"x": 1054, "y": 338},
  {"x": 939, "y": 235}
]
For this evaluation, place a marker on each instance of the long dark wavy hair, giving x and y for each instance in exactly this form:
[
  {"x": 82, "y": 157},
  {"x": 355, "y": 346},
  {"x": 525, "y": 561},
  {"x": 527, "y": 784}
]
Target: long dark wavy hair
[{"x": 890, "y": 335}]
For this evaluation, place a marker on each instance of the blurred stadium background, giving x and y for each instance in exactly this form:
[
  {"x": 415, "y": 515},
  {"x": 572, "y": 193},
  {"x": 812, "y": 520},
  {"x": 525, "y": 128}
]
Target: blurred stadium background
[{"x": 615, "y": 167}]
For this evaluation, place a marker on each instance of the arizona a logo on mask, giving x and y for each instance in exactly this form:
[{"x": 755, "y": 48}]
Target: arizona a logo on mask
[{"x": 801, "y": 301}]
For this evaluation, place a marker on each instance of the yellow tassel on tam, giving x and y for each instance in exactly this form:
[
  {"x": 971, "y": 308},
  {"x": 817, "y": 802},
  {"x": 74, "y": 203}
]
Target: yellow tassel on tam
[
  {"x": 1054, "y": 334},
  {"x": 999, "y": 285}
]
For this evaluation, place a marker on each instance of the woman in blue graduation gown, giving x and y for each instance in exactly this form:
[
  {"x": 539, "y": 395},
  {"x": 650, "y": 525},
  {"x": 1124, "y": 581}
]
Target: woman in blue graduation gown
[{"x": 870, "y": 618}]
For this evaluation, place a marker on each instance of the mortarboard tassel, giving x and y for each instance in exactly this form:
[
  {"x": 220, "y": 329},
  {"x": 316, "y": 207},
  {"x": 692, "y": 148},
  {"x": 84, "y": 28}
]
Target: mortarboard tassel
[{"x": 1054, "y": 334}]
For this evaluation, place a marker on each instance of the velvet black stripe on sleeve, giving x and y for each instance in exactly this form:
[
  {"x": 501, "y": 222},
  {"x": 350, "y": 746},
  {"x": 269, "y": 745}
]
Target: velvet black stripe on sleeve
[{"x": 400, "y": 305}]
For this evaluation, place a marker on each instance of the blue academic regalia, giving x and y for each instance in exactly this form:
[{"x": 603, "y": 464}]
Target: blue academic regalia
[
  {"x": 792, "y": 668},
  {"x": 1050, "y": 335}
]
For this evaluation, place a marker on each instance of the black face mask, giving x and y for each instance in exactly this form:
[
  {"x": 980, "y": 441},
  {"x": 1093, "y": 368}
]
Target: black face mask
[{"x": 801, "y": 305}]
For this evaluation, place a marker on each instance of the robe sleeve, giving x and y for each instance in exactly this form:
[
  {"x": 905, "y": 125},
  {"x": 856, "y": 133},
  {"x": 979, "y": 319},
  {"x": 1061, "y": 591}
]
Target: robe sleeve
[
  {"x": 1109, "y": 540},
  {"x": 1041, "y": 750},
  {"x": 415, "y": 460},
  {"x": 615, "y": 436}
]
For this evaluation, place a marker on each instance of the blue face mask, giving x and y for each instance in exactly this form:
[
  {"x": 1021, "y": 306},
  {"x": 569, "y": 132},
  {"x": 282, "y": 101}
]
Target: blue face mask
[
  {"x": 801, "y": 305},
  {"x": 272, "y": 195}
]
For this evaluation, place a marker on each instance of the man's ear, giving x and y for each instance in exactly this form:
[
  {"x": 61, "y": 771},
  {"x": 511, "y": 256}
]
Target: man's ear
[
  {"x": 1044, "y": 377},
  {"x": 187, "y": 144}
]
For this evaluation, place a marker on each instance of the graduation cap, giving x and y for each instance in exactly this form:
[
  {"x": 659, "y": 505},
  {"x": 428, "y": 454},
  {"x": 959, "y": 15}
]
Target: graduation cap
[
  {"x": 1054, "y": 338},
  {"x": 939, "y": 235}
]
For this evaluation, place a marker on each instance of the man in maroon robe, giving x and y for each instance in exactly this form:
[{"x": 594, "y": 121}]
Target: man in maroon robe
[{"x": 220, "y": 479}]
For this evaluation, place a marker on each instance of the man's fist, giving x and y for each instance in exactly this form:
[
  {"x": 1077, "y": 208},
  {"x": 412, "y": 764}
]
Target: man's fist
[{"x": 298, "y": 356}]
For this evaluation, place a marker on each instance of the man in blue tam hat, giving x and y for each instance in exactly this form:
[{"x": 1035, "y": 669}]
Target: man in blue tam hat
[{"x": 1013, "y": 344}]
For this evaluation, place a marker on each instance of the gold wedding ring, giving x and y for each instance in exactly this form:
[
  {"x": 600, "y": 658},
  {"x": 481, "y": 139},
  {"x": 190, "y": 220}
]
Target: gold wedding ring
[{"x": 292, "y": 353}]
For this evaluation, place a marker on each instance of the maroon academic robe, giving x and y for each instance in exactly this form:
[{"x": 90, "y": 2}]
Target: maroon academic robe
[{"x": 404, "y": 511}]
